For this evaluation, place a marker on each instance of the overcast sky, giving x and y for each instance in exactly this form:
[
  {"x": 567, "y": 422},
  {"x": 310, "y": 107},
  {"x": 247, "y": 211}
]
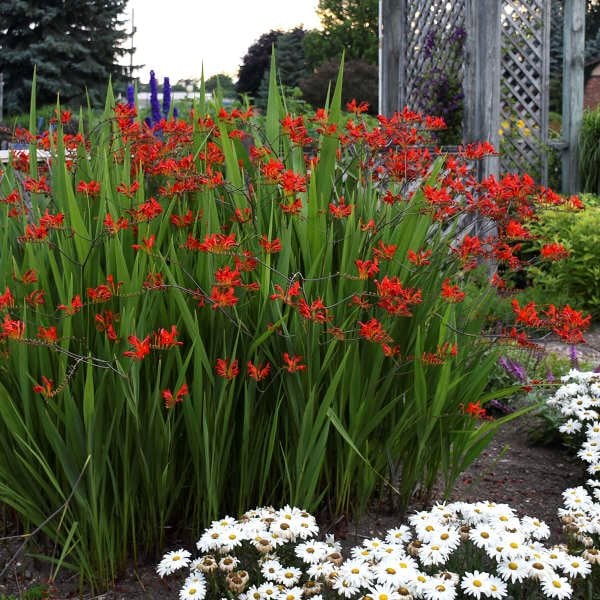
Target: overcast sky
[{"x": 174, "y": 37}]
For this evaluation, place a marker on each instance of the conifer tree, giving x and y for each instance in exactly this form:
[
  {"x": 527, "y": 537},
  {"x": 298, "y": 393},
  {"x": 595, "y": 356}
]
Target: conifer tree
[{"x": 73, "y": 45}]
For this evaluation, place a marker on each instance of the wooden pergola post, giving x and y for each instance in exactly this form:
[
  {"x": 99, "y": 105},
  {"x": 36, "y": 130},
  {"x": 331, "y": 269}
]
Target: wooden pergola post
[
  {"x": 482, "y": 77},
  {"x": 572, "y": 100},
  {"x": 392, "y": 49}
]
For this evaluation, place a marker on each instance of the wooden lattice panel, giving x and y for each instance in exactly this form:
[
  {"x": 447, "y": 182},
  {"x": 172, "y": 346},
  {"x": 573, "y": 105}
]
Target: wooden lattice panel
[
  {"x": 523, "y": 89},
  {"x": 427, "y": 22}
]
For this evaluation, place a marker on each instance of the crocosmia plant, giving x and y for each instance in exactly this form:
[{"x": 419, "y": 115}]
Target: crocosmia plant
[{"x": 232, "y": 309}]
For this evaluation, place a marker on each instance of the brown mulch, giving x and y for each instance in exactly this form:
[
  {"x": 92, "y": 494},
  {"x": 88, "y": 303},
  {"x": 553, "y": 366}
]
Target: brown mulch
[{"x": 529, "y": 477}]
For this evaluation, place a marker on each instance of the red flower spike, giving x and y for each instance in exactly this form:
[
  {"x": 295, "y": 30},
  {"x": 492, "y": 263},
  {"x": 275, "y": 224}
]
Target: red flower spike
[
  {"x": 293, "y": 364},
  {"x": 341, "y": 210},
  {"x": 47, "y": 334},
  {"x": 452, "y": 293},
  {"x": 316, "y": 311},
  {"x": 172, "y": 399},
  {"x": 367, "y": 268},
  {"x": 146, "y": 245},
  {"x": 163, "y": 339},
  {"x": 12, "y": 329},
  {"x": 222, "y": 298},
  {"x": 75, "y": 306},
  {"x": 89, "y": 188},
  {"x": 258, "y": 372},
  {"x": 141, "y": 348},
  {"x": 227, "y": 370},
  {"x": 287, "y": 295},
  {"x": 373, "y": 331},
  {"x": 554, "y": 251},
  {"x": 7, "y": 300},
  {"x": 270, "y": 246},
  {"x": 46, "y": 388}
]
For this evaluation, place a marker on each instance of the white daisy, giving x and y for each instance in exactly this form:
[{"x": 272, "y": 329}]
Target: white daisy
[
  {"x": 399, "y": 535},
  {"x": 270, "y": 569},
  {"x": 575, "y": 566},
  {"x": 311, "y": 552},
  {"x": 383, "y": 592},
  {"x": 570, "y": 426},
  {"x": 439, "y": 588},
  {"x": 293, "y": 593},
  {"x": 172, "y": 561},
  {"x": 514, "y": 570},
  {"x": 288, "y": 576},
  {"x": 557, "y": 587},
  {"x": 193, "y": 591},
  {"x": 476, "y": 584}
]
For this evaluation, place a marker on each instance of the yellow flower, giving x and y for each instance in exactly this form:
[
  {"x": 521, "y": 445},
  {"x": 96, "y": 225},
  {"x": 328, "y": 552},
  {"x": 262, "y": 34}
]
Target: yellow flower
[
  {"x": 520, "y": 124},
  {"x": 500, "y": 131},
  {"x": 505, "y": 125}
]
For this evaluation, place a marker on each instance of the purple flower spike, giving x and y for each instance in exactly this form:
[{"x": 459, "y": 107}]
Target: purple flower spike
[
  {"x": 166, "y": 97},
  {"x": 130, "y": 96},
  {"x": 154, "y": 104}
]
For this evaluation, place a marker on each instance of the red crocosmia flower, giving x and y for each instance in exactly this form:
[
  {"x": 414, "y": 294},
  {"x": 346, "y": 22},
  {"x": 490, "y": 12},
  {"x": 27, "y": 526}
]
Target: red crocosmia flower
[
  {"x": 75, "y": 306},
  {"x": 384, "y": 251},
  {"x": 241, "y": 216},
  {"x": 223, "y": 297},
  {"x": 374, "y": 332},
  {"x": 128, "y": 190},
  {"x": 292, "y": 183},
  {"x": 141, "y": 348},
  {"x": 292, "y": 208},
  {"x": 102, "y": 293},
  {"x": 273, "y": 170},
  {"x": 366, "y": 268},
  {"x": 390, "y": 351},
  {"x": 172, "y": 399},
  {"x": 217, "y": 243},
  {"x": 153, "y": 280},
  {"x": 498, "y": 282},
  {"x": 554, "y": 251},
  {"x": 337, "y": 333},
  {"x": 341, "y": 210},
  {"x": 227, "y": 370},
  {"x": 52, "y": 221},
  {"x": 470, "y": 246},
  {"x": 316, "y": 311},
  {"x": 246, "y": 264},
  {"x": 113, "y": 227},
  {"x": 146, "y": 245},
  {"x": 258, "y": 372},
  {"x": 225, "y": 276},
  {"x": 30, "y": 276},
  {"x": 420, "y": 258},
  {"x": 514, "y": 229},
  {"x": 355, "y": 108},
  {"x": 369, "y": 226},
  {"x": 37, "y": 186},
  {"x": 46, "y": 388},
  {"x": 270, "y": 246},
  {"x": 89, "y": 188},
  {"x": 47, "y": 334},
  {"x": 13, "y": 198},
  {"x": 146, "y": 211},
  {"x": 568, "y": 323},
  {"x": 7, "y": 300},
  {"x": 360, "y": 301},
  {"x": 163, "y": 339},
  {"x": 12, "y": 329},
  {"x": 451, "y": 293},
  {"x": 182, "y": 220},
  {"x": 527, "y": 314},
  {"x": 34, "y": 233},
  {"x": 293, "y": 364},
  {"x": 35, "y": 298},
  {"x": 287, "y": 295},
  {"x": 475, "y": 410}
]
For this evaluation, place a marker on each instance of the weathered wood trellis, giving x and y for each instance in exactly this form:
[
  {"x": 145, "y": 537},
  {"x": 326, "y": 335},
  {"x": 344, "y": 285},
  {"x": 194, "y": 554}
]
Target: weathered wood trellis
[{"x": 504, "y": 72}]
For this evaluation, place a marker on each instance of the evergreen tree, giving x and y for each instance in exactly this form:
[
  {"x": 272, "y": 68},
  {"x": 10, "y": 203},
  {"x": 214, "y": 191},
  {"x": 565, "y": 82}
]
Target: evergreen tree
[
  {"x": 73, "y": 45},
  {"x": 350, "y": 26},
  {"x": 255, "y": 63}
]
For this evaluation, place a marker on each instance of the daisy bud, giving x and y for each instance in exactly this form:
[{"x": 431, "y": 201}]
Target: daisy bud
[
  {"x": 208, "y": 564},
  {"x": 336, "y": 558},
  {"x": 311, "y": 588},
  {"x": 464, "y": 533},
  {"x": 237, "y": 581},
  {"x": 592, "y": 555}
]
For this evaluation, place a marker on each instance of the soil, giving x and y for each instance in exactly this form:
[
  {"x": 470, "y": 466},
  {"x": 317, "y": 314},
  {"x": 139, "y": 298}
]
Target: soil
[{"x": 513, "y": 470}]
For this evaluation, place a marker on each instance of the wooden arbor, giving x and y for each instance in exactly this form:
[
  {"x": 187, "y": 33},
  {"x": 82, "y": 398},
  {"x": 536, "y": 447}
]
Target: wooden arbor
[{"x": 504, "y": 71}]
